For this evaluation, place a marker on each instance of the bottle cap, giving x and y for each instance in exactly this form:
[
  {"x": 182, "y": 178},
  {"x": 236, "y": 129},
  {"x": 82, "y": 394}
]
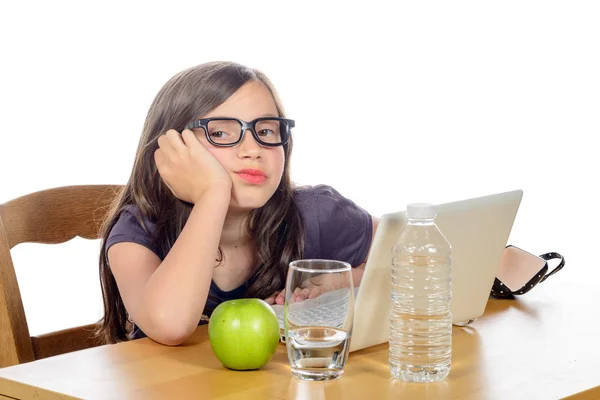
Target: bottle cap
[{"x": 420, "y": 211}]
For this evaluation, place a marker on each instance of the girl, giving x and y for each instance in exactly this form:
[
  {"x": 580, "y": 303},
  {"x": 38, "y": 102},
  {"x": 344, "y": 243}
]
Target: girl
[{"x": 210, "y": 214}]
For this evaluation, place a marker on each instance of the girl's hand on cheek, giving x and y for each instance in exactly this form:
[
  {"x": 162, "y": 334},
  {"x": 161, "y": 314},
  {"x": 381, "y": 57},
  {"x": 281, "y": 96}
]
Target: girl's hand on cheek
[{"x": 188, "y": 169}]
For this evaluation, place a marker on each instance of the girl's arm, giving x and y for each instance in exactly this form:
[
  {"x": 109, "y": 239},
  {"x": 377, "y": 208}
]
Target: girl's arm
[
  {"x": 358, "y": 272},
  {"x": 166, "y": 300},
  {"x": 320, "y": 284}
]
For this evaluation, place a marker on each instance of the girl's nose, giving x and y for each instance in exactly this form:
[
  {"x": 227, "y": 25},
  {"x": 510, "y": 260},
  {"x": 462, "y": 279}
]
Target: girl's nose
[{"x": 249, "y": 147}]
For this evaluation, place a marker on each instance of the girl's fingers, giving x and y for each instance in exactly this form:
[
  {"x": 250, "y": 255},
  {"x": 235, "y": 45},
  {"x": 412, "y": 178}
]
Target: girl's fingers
[
  {"x": 175, "y": 140},
  {"x": 161, "y": 162},
  {"x": 300, "y": 294},
  {"x": 295, "y": 295},
  {"x": 270, "y": 300},
  {"x": 280, "y": 299},
  {"x": 158, "y": 157},
  {"x": 165, "y": 145},
  {"x": 171, "y": 144},
  {"x": 190, "y": 140}
]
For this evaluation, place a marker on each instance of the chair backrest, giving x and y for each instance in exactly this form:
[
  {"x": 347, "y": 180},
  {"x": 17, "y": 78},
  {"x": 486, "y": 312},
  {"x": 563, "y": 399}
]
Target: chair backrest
[{"x": 49, "y": 216}]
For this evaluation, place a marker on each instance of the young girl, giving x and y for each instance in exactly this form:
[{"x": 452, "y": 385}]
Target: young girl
[{"x": 210, "y": 214}]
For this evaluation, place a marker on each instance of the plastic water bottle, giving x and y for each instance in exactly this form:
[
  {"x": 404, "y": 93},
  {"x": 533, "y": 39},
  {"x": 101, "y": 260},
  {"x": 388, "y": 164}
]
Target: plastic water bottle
[{"x": 420, "y": 322}]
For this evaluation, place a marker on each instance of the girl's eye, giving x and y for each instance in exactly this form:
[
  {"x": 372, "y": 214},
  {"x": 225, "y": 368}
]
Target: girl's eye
[
  {"x": 218, "y": 134},
  {"x": 265, "y": 132}
]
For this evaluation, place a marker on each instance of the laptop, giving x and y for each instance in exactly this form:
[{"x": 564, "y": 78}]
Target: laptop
[{"x": 477, "y": 229}]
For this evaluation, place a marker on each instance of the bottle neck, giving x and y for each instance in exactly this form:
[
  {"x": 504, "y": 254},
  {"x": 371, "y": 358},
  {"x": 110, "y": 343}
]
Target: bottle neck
[{"x": 421, "y": 222}]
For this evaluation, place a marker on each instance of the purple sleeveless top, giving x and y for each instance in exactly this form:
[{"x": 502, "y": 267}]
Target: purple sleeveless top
[{"x": 335, "y": 229}]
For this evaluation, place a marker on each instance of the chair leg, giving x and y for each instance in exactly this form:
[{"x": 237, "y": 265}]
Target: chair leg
[{"x": 15, "y": 343}]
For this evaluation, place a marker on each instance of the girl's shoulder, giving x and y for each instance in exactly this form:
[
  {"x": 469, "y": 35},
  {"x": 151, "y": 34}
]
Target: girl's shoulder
[
  {"x": 318, "y": 193},
  {"x": 326, "y": 201},
  {"x": 132, "y": 226},
  {"x": 335, "y": 226}
]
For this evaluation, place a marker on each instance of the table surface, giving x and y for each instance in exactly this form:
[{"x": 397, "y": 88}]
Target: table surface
[{"x": 543, "y": 345}]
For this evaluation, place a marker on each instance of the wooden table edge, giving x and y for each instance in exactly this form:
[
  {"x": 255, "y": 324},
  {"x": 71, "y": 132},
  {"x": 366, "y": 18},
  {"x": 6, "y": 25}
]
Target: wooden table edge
[
  {"x": 24, "y": 391},
  {"x": 589, "y": 394}
]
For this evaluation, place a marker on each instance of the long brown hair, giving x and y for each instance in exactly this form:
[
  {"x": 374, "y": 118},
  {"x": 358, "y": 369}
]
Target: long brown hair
[{"x": 276, "y": 228}]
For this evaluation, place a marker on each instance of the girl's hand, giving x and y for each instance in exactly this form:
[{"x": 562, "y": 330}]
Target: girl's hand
[
  {"x": 187, "y": 167},
  {"x": 309, "y": 289},
  {"x": 299, "y": 294},
  {"x": 271, "y": 299}
]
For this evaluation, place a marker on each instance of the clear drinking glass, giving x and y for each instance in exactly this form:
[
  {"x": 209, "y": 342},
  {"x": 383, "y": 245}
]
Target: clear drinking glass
[{"x": 318, "y": 326}]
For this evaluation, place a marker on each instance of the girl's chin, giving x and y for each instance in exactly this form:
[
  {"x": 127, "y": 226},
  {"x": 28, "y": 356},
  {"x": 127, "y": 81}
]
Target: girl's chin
[{"x": 248, "y": 201}]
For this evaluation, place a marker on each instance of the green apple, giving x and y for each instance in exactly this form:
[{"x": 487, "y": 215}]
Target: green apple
[{"x": 243, "y": 333}]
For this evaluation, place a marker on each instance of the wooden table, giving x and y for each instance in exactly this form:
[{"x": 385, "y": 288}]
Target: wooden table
[{"x": 545, "y": 345}]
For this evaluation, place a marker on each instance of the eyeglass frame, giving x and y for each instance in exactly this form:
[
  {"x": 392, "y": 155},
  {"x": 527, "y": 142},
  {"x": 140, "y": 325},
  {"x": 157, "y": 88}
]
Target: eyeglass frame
[{"x": 251, "y": 125}]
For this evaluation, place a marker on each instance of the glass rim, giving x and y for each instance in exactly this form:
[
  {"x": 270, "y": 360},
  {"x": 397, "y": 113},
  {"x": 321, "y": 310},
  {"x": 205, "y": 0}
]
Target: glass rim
[{"x": 342, "y": 266}]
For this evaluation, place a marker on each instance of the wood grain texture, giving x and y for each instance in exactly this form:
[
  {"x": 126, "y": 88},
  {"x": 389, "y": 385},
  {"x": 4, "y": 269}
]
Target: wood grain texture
[
  {"x": 57, "y": 215},
  {"x": 49, "y": 216},
  {"x": 519, "y": 349},
  {"x": 15, "y": 345},
  {"x": 64, "y": 341}
]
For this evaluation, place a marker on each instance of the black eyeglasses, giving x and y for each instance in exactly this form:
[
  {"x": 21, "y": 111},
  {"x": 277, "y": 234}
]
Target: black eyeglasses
[{"x": 268, "y": 131}]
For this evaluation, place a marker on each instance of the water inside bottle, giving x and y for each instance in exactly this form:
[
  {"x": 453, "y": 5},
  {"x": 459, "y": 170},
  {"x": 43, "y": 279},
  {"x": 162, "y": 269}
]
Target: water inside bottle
[{"x": 420, "y": 322}]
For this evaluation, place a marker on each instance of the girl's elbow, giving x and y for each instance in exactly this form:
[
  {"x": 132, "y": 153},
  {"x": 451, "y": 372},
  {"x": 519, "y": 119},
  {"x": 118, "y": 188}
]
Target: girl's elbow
[
  {"x": 170, "y": 331},
  {"x": 170, "y": 338}
]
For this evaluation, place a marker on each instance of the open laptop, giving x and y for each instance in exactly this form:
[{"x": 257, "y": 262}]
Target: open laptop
[{"x": 477, "y": 230}]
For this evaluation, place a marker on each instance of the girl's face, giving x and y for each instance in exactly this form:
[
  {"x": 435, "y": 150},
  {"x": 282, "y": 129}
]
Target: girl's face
[{"x": 251, "y": 101}]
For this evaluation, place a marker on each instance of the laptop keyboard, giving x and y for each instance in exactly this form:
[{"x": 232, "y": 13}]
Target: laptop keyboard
[{"x": 329, "y": 309}]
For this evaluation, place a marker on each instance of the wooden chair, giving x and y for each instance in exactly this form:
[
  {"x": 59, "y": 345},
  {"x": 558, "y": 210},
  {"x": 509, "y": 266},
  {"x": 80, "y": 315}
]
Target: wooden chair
[{"x": 49, "y": 216}]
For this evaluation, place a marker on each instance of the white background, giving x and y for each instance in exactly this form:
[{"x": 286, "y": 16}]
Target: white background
[{"x": 420, "y": 101}]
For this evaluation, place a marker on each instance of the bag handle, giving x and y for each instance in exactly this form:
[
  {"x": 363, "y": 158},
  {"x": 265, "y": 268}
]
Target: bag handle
[
  {"x": 553, "y": 256},
  {"x": 499, "y": 290}
]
